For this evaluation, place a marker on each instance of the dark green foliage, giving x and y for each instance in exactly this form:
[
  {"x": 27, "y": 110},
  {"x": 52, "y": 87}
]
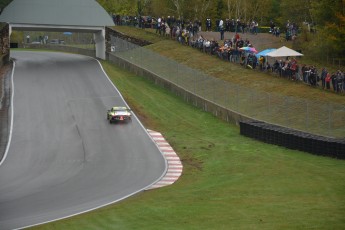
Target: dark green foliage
[{"x": 4, "y": 3}]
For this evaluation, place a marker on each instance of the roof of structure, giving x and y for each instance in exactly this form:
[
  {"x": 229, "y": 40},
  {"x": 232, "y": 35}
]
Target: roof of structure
[{"x": 56, "y": 12}]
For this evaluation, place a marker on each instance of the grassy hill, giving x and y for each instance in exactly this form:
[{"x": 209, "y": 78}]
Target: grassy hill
[
  {"x": 228, "y": 182},
  {"x": 262, "y": 95},
  {"x": 233, "y": 72}
]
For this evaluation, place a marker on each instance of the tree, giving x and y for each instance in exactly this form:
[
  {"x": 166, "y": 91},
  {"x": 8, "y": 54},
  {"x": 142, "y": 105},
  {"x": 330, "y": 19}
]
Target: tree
[
  {"x": 179, "y": 6},
  {"x": 3, "y": 4},
  {"x": 230, "y": 8},
  {"x": 329, "y": 16},
  {"x": 142, "y": 6},
  {"x": 295, "y": 11},
  {"x": 219, "y": 9},
  {"x": 200, "y": 8},
  {"x": 258, "y": 10},
  {"x": 274, "y": 10},
  {"x": 122, "y": 7}
]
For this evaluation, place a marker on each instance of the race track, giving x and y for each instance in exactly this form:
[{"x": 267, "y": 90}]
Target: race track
[{"x": 64, "y": 157}]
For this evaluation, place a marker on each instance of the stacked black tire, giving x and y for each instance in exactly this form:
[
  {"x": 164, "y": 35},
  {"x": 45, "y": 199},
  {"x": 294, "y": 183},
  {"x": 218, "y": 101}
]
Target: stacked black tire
[{"x": 294, "y": 139}]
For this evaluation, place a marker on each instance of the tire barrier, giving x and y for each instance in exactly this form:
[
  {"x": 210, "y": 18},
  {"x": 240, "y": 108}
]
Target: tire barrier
[{"x": 293, "y": 139}]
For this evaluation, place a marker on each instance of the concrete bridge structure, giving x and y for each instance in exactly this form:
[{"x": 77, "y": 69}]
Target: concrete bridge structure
[{"x": 62, "y": 15}]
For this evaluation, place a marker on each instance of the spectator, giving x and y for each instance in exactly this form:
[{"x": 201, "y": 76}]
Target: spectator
[
  {"x": 167, "y": 31},
  {"x": 195, "y": 28},
  {"x": 200, "y": 25},
  {"x": 238, "y": 26},
  {"x": 163, "y": 29},
  {"x": 328, "y": 81},
  {"x": 256, "y": 27},
  {"x": 261, "y": 62},
  {"x": 169, "y": 21},
  {"x": 232, "y": 25},
  {"x": 230, "y": 51},
  {"x": 237, "y": 37},
  {"x": 293, "y": 67},
  {"x": 276, "y": 31},
  {"x": 313, "y": 76},
  {"x": 343, "y": 76},
  {"x": 158, "y": 26},
  {"x": 340, "y": 79},
  {"x": 323, "y": 77},
  {"x": 173, "y": 21},
  {"x": 227, "y": 25},
  {"x": 221, "y": 29},
  {"x": 208, "y": 24},
  {"x": 272, "y": 26},
  {"x": 217, "y": 25},
  {"x": 334, "y": 81},
  {"x": 305, "y": 72}
]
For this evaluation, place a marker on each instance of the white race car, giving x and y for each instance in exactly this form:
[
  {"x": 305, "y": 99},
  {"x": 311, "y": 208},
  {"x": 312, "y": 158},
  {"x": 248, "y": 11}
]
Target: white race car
[{"x": 119, "y": 113}]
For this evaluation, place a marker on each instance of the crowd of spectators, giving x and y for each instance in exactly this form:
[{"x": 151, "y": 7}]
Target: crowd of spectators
[
  {"x": 291, "y": 30},
  {"x": 232, "y": 50},
  {"x": 336, "y": 79}
]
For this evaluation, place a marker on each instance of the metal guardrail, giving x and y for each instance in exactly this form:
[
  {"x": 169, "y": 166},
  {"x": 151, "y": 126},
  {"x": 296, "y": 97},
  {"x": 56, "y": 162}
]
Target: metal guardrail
[{"x": 326, "y": 119}]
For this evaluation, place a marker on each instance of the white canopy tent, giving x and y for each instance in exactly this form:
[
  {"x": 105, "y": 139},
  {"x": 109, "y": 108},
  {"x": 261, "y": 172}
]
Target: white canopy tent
[{"x": 283, "y": 52}]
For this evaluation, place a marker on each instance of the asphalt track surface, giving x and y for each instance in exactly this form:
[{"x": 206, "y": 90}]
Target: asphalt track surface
[{"x": 64, "y": 158}]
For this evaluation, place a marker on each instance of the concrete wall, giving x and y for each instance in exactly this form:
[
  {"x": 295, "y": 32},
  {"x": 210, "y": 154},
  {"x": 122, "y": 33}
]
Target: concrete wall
[
  {"x": 62, "y": 48},
  {"x": 5, "y": 90},
  {"x": 99, "y": 38}
]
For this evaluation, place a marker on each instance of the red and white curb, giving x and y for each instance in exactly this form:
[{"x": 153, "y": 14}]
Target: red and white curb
[{"x": 174, "y": 164}]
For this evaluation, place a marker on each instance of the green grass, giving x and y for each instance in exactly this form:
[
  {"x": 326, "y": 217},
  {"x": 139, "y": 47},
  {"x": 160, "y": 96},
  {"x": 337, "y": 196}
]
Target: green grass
[
  {"x": 82, "y": 46},
  {"x": 228, "y": 182},
  {"x": 144, "y": 34},
  {"x": 263, "y": 97}
]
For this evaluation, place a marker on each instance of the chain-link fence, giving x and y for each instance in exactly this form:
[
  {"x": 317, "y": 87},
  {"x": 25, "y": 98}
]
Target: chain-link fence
[{"x": 305, "y": 115}]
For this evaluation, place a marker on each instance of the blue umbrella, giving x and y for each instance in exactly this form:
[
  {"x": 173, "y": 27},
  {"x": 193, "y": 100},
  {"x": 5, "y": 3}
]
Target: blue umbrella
[
  {"x": 264, "y": 52},
  {"x": 249, "y": 49},
  {"x": 67, "y": 33}
]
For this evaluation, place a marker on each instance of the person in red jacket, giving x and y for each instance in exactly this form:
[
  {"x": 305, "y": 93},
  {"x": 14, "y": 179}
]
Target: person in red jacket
[{"x": 328, "y": 81}]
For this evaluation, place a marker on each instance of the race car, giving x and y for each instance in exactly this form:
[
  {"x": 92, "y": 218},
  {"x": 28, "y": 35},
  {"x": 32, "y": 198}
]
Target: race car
[{"x": 119, "y": 113}]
